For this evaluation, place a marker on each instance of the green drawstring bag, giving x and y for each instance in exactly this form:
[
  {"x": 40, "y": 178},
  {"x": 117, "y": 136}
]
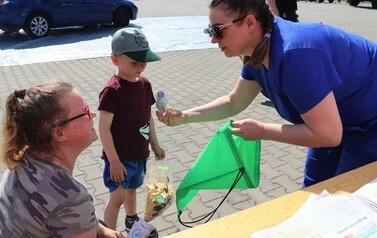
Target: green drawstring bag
[{"x": 228, "y": 161}]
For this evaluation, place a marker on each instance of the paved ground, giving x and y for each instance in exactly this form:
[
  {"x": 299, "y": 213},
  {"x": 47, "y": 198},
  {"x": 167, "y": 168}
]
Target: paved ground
[{"x": 190, "y": 78}]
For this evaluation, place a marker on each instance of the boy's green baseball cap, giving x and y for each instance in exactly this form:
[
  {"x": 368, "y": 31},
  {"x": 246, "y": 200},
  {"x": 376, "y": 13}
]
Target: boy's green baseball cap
[{"x": 133, "y": 43}]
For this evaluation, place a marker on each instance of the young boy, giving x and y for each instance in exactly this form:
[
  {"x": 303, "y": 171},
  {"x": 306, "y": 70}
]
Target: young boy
[{"x": 126, "y": 124}]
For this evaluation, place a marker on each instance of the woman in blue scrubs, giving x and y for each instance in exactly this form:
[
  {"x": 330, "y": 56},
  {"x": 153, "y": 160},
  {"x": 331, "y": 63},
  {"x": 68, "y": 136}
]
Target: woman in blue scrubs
[{"x": 319, "y": 78}]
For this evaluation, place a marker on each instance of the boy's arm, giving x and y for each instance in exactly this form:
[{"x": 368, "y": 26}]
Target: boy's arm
[
  {"x": 105, "y": 120},
  {"x": 117, "y": 170},
  {"x": 159, "y": 152}
]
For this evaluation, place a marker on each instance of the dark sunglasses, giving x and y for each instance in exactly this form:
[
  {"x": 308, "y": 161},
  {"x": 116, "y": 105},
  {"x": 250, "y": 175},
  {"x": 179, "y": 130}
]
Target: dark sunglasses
[
  {"x": 216, "y": 29},
  {"x": 86, "y": 112}
]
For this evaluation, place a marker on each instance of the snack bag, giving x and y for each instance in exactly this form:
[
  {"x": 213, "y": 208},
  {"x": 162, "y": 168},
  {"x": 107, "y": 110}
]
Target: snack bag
[{"x": 160, "y": 190}]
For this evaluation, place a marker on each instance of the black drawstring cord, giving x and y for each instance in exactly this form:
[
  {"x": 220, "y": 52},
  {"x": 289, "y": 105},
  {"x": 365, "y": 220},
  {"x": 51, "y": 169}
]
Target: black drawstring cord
[{"x": 211, "y": 214}]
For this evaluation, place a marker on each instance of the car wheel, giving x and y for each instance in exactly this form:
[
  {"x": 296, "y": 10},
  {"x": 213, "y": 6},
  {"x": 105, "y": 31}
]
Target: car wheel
[
  {"x": 321, "y": 1},
  {"x": 374, "y": 4},
  {"x": 37, "y": 25},
  {"x": 122, "y": 17},
  {"x": 354, "y": 2},
  {"x": 331, "y": 1}
]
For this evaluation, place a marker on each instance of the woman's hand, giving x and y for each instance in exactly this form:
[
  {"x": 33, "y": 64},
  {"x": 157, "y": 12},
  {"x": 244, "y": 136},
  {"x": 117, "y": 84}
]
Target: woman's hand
[
  {"x": 105, "y": 232},
  {"x": 171, "y": 116},
  {"x": 248, "y": 129}
]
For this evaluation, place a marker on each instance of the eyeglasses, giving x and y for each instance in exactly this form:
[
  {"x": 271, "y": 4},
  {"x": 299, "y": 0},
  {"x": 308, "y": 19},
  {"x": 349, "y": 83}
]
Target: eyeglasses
[
  {"x": 216, "y": 29},
  {"x": 86, "y": 112}
]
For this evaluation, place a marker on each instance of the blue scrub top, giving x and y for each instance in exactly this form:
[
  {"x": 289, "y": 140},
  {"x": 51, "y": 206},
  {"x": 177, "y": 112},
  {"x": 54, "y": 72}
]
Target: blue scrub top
[{"x": 308, "y": 61}]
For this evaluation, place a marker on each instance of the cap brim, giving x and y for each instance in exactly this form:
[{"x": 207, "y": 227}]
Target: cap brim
[{"x": 143, "y": 56}]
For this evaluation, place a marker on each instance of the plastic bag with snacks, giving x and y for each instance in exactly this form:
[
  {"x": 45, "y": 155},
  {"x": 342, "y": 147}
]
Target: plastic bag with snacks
[{"x": 160, "y": 190}]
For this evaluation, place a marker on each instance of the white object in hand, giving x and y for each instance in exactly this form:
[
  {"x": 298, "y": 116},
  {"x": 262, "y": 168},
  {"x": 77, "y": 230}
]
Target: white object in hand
[{"x": 162, "y": 101}]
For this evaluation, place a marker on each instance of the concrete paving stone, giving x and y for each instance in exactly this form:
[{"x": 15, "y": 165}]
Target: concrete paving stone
[
  {"x": 207, "y": 133},
  {"x": 243, "y": 205},
  {"x": 95, "y": 151},
  {"x": 170, "y": 230},
  {"x": 210, "y": 195},
  {"x": 276, "y": 151},
  {"x": 272, "y": 161},
  {"x": 256, "y": 196},
  {"x": 299, "y": 180},
  {"x": 289, "y": 170},
  {"x": 86, "y": 159},
  {"x": 102, "y": 199},
  {"x": 192, "y": 147},
  {"x": 278, "y": 192},
  {"x": 224, "y": 209},
  {"x": 176, "y": 160},
  {"x": 93, "y": 171},
  {"x": 80, "y": 177},
  {"x": 99, "y": 185},
  {"x": 163, "y": 224},
  {"x": 286, "y": 182},
  {"x": 174, "y": 147},
  {"x": 77, "y": 171},
  {"x": 272, "y": 173},
  {"x": 91, "y": 191},
  {"x": 199, "y": 140},
  {"x": 197, "y": 210},
  {"x": 267, "y": 185},
  {"x": 178, "y": 176},
  {"x": 295, "y": 161},
  {"x": 275, "y": 163},
  {"x": 189, "y": 161},
  {"x": 173, "y": 220},
  {"x": 196, "y": 127},
  {"x": 235, "y": 198}
]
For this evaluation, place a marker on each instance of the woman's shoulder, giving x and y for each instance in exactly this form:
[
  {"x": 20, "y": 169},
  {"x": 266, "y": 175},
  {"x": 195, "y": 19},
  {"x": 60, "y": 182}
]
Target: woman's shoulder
[
  {"x": 40, "y": 189},
  {"x": 48, "y": 179},
  {"x": 307, "y": 36}
]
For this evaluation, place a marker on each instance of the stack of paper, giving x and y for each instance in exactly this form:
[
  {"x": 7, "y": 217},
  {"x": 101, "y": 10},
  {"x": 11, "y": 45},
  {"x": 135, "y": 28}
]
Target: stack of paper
[{"x": 325, "y": 215}]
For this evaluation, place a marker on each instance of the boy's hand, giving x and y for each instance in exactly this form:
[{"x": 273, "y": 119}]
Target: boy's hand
[
  {"x": 159, "y": 153},
  {"x": 117, "y": 171}
]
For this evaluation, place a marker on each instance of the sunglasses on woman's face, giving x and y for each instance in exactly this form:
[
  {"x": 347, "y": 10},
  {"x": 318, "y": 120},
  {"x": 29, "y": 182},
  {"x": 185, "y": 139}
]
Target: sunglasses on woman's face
[
  {"x": 216, "y": 30},
  {"x": 86, "y": 112}
]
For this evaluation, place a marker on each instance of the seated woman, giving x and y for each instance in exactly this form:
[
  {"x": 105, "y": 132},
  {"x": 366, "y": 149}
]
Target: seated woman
[{"x": 45, "y": 129}]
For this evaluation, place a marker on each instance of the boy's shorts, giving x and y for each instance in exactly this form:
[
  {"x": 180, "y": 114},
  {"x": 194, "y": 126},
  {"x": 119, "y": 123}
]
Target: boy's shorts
[{"x": 133, "y": 179}]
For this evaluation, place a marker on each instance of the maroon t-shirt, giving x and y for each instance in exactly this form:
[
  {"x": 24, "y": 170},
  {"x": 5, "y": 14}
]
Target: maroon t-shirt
[{"x": 131, "y": 104}]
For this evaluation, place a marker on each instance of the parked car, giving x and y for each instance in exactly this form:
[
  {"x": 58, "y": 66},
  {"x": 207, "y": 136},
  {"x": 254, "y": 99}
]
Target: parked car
[
  {"x": 37, "y": 17},
  {"x": 356, "y": 2}
]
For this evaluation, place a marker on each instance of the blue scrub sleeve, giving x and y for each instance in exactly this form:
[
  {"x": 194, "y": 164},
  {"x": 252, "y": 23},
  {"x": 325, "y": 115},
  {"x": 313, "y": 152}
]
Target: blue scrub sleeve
[{"x": 307, "y": 77}]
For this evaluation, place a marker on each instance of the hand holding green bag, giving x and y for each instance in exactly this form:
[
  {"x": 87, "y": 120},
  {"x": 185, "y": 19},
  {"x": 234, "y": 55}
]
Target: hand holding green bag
[{"x": 228, "y": 161}]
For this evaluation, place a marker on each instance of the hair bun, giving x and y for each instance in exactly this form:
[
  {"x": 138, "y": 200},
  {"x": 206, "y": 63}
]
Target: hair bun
[{"x": 20, "y": 93}]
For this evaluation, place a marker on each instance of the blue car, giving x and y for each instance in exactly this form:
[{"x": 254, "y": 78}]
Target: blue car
[{"x": 37, "y": 17}]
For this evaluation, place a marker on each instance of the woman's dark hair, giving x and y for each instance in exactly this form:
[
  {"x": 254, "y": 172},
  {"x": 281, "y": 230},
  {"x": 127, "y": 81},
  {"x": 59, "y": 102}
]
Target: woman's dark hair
[
  {"x": 262, "y": 13},
  {"x": 30, "y": 115}
]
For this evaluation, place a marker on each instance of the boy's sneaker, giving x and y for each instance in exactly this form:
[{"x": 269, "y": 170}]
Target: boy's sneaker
[{"x": 130, "y": 222}]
